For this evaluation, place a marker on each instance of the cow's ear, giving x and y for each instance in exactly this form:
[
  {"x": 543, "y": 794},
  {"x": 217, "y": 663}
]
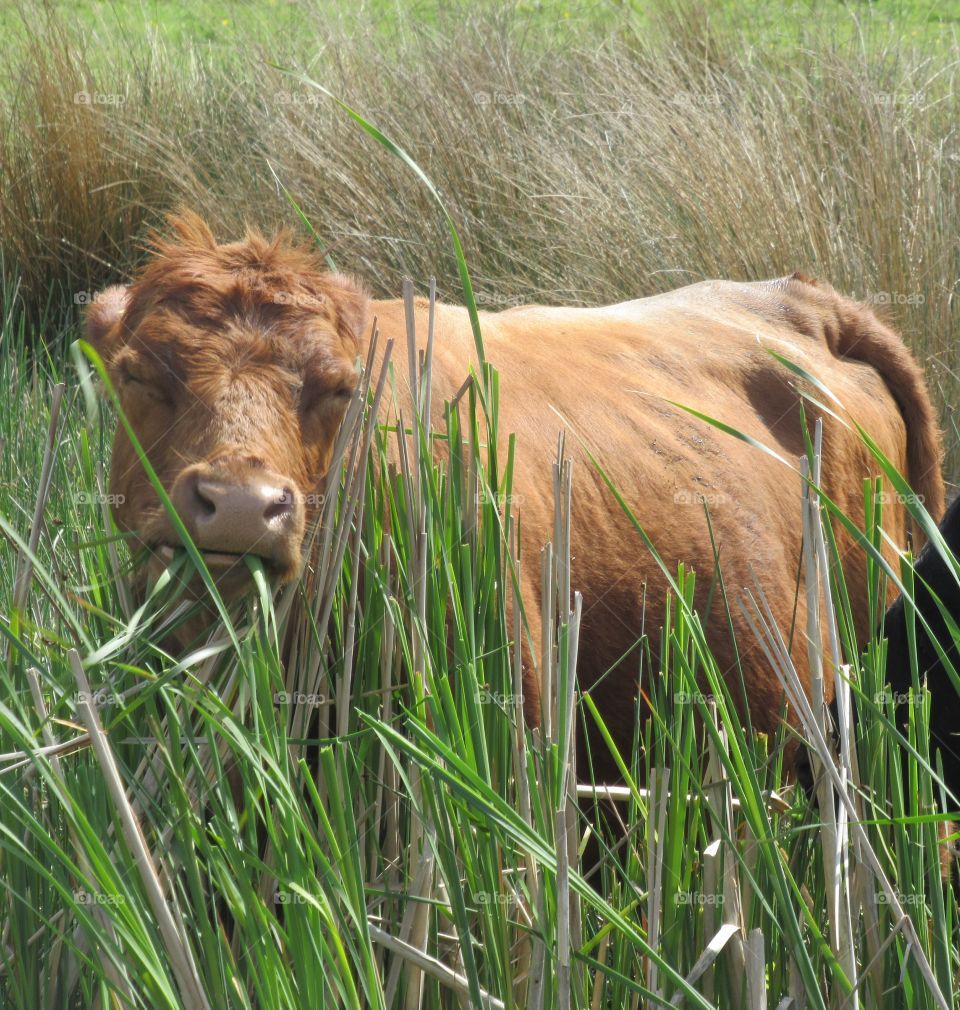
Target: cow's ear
[
  {"x": 103, "y": 320},
  {"x": 352, "y": 307}
]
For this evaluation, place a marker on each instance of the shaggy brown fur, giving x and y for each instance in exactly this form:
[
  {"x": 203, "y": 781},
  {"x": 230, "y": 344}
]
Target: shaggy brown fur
[{"x": 238, "y": 352}]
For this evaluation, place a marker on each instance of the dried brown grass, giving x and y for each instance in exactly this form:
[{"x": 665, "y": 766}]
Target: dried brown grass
[{"x": 576, "y": 173}]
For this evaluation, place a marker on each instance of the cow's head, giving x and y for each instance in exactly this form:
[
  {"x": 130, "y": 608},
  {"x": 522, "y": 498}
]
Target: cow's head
[{"x": 234, "y": 364}]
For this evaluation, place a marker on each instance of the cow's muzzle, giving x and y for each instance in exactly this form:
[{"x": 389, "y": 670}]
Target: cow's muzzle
[{"x": 233, "y": 508}]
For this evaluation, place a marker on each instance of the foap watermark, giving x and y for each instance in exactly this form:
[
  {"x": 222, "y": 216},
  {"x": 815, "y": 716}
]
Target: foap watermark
[
  {"x": 906, "y": 900},
  {"x": 98, "y": 698},
  {"x": 299, "y": 299},
  {"x": 89, "y": 297},
  {"x": 96, "y": 498},
  {"x": 290, "y": 898},
  {"x": 501, "y": 301},
  {"x": 484, "y": 98},
  {"x": 297, "y": 97},
  {"x": 897, "y": 100},
  {"x": 310, "y": 499},
  {"x": 691, "y": 698},
  {"x": 898, "y": 698},
  {"x": 98, "y": 98},
  {"x": 909, "y": 298},
  {"x": 696, "y": 99},
  {"x": 501, "y": 500},
  {"x": 89, "y": 898},
  {"x": 896, "y": 498},
  {"x": 700, "y": 498},
  {"x": 499, "y": 698},
  {"x": 310, "y": 699},
  {"x": 493, "y": 898},
  {"x": 699, "y": 898}
]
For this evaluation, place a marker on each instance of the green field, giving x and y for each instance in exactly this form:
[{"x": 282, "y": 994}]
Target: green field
[
  {"x": 334, "y": 802},
  {"x": 230, "y": 24}
]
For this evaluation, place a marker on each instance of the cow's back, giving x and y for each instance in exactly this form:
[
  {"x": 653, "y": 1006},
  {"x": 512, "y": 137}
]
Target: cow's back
[{"x": 614, "y": 377}]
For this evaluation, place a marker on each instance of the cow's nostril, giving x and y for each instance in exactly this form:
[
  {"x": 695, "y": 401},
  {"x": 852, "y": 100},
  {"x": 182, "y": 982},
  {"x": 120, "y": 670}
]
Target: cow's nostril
[
  {"x": 206, "y": 506},
  {"x": 283, "y": 506}
]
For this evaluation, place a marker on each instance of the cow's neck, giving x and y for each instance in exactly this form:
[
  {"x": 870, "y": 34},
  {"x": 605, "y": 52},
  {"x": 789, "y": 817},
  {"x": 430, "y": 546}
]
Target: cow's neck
[{"x": 453, "y": 345}]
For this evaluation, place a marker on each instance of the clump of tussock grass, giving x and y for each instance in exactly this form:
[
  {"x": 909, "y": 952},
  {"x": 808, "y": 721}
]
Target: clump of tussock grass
[{"x": 578, "y": 171}]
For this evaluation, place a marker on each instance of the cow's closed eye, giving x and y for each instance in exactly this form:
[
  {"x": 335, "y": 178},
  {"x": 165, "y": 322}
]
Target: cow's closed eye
[
  {"x": 140, "y": 379},
  {"x": 316, "y": 397},
  {"x": 128, "y": 373}
]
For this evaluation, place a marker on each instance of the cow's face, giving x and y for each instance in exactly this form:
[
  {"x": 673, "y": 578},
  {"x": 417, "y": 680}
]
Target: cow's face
[{"x": 235, "y": 365}]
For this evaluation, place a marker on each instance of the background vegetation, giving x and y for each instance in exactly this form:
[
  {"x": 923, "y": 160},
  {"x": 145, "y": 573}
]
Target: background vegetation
[{"x": 367, "y": 823}]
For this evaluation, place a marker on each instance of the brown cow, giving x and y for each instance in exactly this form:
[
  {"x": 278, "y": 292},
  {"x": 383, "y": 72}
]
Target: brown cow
[{"x": 235, "y": 363}]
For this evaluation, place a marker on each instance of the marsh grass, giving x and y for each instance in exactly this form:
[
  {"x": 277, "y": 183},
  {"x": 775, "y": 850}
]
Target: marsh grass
[{"x": 369, "y": 823}]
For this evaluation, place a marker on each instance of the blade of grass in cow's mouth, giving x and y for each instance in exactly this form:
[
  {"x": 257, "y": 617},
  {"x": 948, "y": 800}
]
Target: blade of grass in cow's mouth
[{"x": 214, "y": 560}]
